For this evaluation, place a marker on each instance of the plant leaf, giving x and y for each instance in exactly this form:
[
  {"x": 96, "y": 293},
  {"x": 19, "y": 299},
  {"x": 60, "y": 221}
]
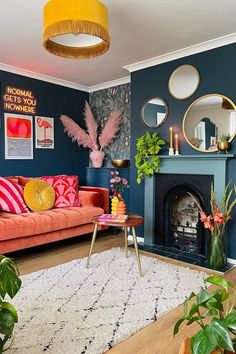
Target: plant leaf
[
  {"x": 202, "y": 297},
  {"x": 177, "y": 325},
  {"x": 220, "y": 281},
  {"x": 217, "y": 331},
  {"x": 201, "y": 344},
  {"x": 10, "y": 282},
  {"x": 230, "y": 320}
]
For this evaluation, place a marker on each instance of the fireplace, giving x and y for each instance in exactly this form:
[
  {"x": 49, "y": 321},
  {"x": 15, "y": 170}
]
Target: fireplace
[{"x": 177, "y": 222}]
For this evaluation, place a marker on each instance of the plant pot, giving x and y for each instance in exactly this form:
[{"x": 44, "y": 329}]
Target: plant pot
[
  {"x": 223, "y": 146},
  {"x": 186, "y": 349},
  {"x": 97, "y": 158}
]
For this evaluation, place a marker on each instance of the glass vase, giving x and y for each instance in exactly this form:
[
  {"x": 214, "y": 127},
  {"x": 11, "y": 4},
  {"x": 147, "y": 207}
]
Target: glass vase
[{"x": 217, "y": 255}]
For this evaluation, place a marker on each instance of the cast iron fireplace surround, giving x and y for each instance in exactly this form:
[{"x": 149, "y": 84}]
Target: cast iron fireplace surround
[{"x": 170, "y": 231}]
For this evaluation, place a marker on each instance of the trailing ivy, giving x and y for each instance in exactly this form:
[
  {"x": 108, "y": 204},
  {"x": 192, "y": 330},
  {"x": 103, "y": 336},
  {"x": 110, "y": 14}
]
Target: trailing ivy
[{"x": 147, "y": 162}]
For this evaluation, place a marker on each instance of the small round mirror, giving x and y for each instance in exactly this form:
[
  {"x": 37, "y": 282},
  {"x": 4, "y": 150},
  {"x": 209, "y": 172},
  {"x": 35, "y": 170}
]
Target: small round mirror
[
  {"x": 154, "y": 112},
  {"x": 208, "y": 120},
  {"x": 184, "y": 81}
]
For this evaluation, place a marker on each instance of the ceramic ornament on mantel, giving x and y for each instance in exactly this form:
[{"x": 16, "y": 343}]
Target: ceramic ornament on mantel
[{"x": 90, "y": 138}]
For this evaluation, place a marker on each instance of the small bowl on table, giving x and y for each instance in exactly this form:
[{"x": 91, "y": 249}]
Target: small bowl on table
[{"x": 120, "y": 163}]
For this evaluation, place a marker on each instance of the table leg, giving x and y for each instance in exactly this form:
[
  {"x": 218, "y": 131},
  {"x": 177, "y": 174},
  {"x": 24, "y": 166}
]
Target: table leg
[
  {"x": 136, "y": 251},
  {"x": 126, "y": 242},
  {"x": 92, "y": 243}
]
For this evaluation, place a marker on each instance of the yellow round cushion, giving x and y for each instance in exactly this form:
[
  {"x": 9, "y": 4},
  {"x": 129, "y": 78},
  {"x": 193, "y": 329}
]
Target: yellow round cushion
[{"x": 39, "y": 195}]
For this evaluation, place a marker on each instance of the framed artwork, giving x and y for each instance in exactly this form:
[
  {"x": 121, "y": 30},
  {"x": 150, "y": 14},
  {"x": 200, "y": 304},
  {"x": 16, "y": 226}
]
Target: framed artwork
[
  {"x": 18, "y": 137},
  {"x": 44, "y": 132}
]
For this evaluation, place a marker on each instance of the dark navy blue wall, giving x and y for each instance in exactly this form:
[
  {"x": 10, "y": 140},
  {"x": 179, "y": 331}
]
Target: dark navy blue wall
[
  {"x": 217, "y": 75},
  {"x": 52, "y": 101}
]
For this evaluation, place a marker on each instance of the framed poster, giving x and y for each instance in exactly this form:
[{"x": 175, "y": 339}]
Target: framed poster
[
  {"x": 18, "y": 136},
  {"x": 44, "y": 132}
]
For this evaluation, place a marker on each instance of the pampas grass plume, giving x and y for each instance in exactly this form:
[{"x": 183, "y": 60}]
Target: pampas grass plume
[
  {"x": 91, "y": 124},
  {"x": 110, "y": 129},
  {"x": 75, "y": 132}
]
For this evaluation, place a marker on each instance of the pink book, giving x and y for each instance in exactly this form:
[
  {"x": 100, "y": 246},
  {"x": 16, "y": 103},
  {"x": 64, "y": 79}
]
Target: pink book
[{"x": 118, "y": 218}]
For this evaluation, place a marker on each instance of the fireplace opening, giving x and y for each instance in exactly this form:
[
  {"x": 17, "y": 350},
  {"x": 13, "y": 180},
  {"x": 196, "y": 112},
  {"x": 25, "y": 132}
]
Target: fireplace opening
[
  {"x": 185, "y": 229},
  {"x": 177, "y": 221}
]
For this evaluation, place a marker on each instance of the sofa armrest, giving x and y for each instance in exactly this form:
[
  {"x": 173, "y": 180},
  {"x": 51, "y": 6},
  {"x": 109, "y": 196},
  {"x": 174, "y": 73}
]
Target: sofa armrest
[
  {"x": 90, "y": 198},
  {"x": 104, "y": 194}
]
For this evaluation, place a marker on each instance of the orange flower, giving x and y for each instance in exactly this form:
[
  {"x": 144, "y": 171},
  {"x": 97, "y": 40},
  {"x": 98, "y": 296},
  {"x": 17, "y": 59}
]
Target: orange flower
[
  {"x": 203, "y": 216},
  {"x": 219, "y": 218}
]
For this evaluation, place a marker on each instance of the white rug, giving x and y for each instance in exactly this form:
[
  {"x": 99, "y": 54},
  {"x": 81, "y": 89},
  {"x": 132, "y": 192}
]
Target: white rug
[{"x": 73, "y": 310}]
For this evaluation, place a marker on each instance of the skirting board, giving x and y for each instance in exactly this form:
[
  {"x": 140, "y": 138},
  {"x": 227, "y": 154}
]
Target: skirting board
[{"x": 141, "y": 239}]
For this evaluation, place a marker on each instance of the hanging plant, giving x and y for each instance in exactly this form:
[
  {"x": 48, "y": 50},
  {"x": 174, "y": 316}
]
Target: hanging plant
[{"x": 147, "y": 162}]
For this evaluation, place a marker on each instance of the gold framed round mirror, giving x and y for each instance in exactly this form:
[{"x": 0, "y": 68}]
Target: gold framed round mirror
[
  {"x": 154, "y": 112},
  {"x": 184, "y": 81},
  {"x": 208, "y": 120}
]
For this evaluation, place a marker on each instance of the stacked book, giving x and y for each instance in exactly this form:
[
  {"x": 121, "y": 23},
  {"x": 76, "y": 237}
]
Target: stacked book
[{"x": 110, "y": 218}]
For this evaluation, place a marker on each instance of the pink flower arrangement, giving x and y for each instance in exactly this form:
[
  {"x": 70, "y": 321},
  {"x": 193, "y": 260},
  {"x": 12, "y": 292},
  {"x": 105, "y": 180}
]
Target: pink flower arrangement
[
  {"x": 221, "y": 214},
  {"x": 118, "y": 184}
]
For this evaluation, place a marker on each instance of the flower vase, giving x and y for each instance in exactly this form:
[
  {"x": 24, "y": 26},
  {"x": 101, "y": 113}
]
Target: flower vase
[
  {"x": 114, "y": 203},
  {"x": 121, "y": 207},
  {"x": 217, "y": 255},
  {"x": 97, "y": 158}
]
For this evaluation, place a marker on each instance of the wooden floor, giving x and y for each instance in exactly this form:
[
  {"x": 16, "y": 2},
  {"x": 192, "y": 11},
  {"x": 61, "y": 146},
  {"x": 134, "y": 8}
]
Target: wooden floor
[{"x": 157, "y": 338}]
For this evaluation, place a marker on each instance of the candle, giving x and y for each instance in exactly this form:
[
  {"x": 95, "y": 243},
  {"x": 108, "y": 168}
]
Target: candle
[
  {"x": 176, "y": 142},
  {"x": 171, "y": 137}
]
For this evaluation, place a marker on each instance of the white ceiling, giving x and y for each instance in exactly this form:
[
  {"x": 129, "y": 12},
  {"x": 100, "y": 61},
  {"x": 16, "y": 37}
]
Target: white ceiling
[{"x": 139, "y": 30}]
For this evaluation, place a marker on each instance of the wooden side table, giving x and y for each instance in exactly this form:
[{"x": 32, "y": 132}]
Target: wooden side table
[{"x": 132, "y": 221}]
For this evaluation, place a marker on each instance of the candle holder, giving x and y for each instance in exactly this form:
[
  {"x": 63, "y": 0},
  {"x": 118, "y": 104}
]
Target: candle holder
[{"x": 171, "y": 152}]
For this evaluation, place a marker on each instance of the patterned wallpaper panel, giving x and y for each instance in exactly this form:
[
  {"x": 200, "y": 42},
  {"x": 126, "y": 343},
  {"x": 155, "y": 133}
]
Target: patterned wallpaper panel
[{"x": 102, "y": 103}]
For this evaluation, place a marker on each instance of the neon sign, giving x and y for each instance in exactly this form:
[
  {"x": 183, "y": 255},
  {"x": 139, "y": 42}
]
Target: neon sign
[{"x": 19, "y": 100}]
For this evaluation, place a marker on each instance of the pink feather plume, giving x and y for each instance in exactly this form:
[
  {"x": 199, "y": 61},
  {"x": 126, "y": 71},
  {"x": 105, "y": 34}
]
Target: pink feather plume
[
  {"x": 110, "y": 129},
  {"x": 91, "y": 124},
  {"x": 75, "y": 132}
]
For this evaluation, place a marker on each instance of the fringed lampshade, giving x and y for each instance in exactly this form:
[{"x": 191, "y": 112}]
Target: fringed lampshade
[{"x": 76, "y": 29}]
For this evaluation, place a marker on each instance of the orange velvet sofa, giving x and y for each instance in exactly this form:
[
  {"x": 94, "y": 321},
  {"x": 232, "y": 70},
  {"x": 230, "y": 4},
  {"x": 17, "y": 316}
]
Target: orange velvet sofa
[{"x": 36, "y": 228}]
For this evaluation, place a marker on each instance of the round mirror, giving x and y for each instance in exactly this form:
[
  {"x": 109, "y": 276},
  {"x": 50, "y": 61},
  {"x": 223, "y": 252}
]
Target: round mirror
[
  {"x": 154, "y": 112},
  {"x": 184, "y": 81},
  {"x": 208, "y": 119}
]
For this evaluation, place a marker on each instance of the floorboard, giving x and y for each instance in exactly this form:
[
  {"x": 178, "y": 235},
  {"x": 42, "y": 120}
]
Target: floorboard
[{"x": 156, "y": 338}]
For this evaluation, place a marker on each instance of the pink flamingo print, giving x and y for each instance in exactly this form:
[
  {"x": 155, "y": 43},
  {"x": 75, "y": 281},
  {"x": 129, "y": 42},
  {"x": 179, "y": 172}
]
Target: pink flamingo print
[{"x": 45, "y": 125}]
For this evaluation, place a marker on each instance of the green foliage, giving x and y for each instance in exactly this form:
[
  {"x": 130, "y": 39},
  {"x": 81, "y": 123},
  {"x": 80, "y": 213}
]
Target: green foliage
[
  {"x": 223, "y": 138},
  {"x": 10, "y": 284},
  {"x": 147, "y": 162},
  {"x": 216, "y": 319}
]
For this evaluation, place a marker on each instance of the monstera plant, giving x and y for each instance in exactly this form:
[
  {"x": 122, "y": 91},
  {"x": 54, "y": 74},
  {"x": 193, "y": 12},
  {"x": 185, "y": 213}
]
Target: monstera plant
[
  {"x": 10, "y": 284},
  {"x": 147, "y": 162}
]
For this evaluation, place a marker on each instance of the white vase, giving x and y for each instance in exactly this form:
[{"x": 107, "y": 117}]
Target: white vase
[{"x": 97, "y": 158}]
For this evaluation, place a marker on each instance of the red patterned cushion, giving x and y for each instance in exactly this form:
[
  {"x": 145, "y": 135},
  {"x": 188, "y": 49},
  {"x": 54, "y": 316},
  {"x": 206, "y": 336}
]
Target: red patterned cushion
[
  {"x": 66, "y": 188},
  {"x": 11, "y": 197}
]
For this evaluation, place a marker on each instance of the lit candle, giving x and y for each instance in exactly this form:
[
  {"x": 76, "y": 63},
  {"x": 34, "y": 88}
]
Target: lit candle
[
  {"x": 171, "y": 137},
  {"x": 176, "y": 142}
]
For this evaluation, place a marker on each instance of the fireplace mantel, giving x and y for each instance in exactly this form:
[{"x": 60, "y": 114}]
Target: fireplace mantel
[{"x": 205, "y": 164}]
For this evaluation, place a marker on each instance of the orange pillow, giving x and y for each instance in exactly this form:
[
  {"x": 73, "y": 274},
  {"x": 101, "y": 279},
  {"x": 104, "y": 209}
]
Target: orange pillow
[{"x": 39, "y": 195}]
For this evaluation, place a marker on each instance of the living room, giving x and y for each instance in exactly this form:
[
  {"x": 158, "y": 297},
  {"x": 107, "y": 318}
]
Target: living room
[{"x": 131, "y": 294}]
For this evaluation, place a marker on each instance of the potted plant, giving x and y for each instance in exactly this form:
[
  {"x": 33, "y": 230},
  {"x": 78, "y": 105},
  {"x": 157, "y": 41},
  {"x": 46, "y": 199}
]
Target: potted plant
[
  {"x": 90, "y": 139},
  {"x": 223, "y": 143},
  {"x": 147, "y": 162},
  {"x": 215, "y": 314},
  {"x": 10, "y": 284},
  {"x": 118, "y": 185}
]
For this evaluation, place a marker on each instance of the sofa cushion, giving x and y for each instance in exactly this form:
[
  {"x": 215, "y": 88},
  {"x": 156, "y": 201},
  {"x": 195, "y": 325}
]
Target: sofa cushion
[
  {"x": 24, "y": 180},
  {"x": 66, "y": 188},
  {"x": 39, "y": 195},
  {"x": 11, "y": 197},
  {"x": 16, "y": 226}
]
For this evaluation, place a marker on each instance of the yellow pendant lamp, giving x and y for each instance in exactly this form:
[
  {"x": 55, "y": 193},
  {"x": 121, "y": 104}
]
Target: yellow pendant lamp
[{"x": 76, "y": 29}]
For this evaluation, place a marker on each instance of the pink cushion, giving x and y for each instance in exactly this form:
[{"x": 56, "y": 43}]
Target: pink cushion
[
  {"x": 66, "y": 188},
  {"x": 11, "y": 197}
]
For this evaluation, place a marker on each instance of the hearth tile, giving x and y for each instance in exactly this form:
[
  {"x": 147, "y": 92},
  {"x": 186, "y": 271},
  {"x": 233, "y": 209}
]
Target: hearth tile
[{"x": 182, "y": 258}]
